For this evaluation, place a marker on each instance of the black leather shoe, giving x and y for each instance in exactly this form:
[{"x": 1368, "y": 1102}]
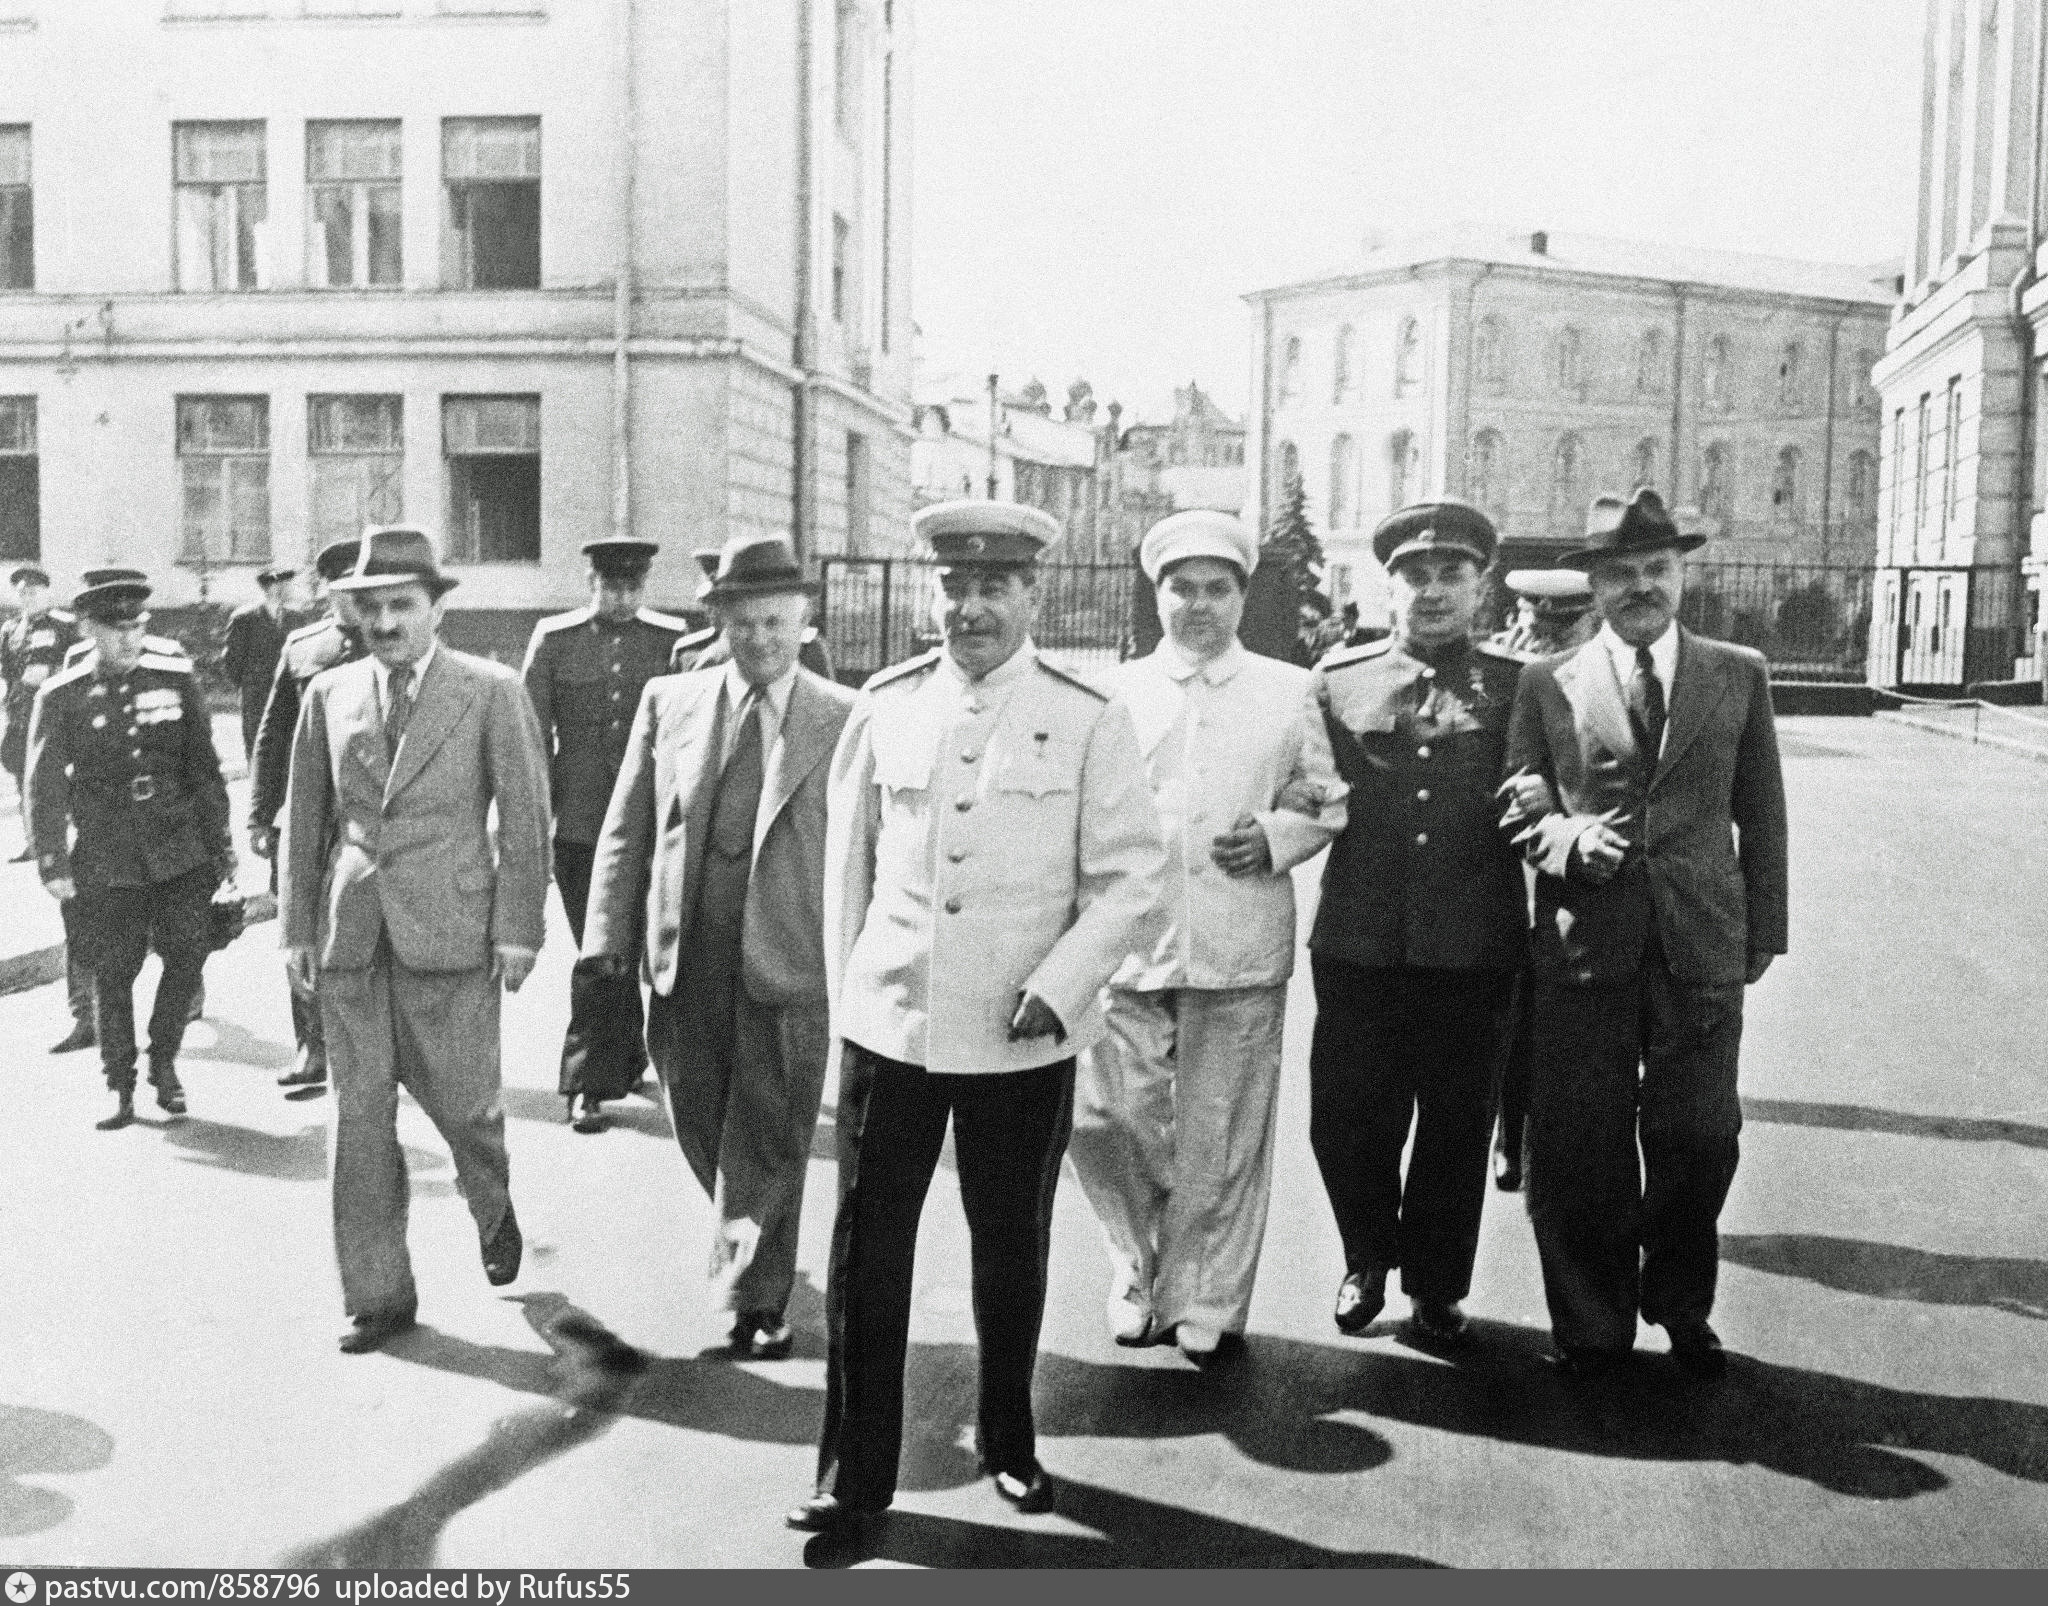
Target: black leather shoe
[
  {"x": 1441, "y": 1321},
  {"x": 367, "y": 1333},
  {"x": 23, "y": 856},
  {"x": 1507, "y": 1171},
  {"x": 81, "y": 1035},
  {"x": 305, "y": 1072},
  {"x": 771, "y": 1340},
  {"x": 826, "y": 1514},
  {"x": 501, "y": 1254},
  {"x": 124, "y": 1115},
  {"x": 198, "y": 1005},
  {"x": 1696, "y": 1348},
  {"x": 588, "y": 1115},
  {"x": 1028, "y": 1495},
  {"x": 1360, "y": 1298},
  {"x": 170, "y": 1092}
]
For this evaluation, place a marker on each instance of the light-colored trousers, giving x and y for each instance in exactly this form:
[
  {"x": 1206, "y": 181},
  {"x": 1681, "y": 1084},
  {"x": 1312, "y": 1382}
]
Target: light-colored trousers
[
  {"x": 1173, "y": 1143},
  {"x": 435, "y": 1033}
]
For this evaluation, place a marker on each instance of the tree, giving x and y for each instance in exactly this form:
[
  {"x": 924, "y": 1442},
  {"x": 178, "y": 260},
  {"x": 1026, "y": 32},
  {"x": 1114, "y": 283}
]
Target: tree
[{"x": 1288, "y": 579}]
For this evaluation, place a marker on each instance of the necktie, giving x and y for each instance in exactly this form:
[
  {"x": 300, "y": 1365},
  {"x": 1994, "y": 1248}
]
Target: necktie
[
  {"x": 398, "y": 707},
  {"x": 1646, "y": 702},
  {"x": 738, "y": 797}
]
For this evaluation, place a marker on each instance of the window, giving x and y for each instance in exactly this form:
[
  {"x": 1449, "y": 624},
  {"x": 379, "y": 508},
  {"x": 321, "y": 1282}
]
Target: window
[
  {"x": 1898, "y": 468},
  {"x": 848, "y": 60},
  {"x": 223, "y": 206},
  {"x": 1861, "y": 393},
  {"x": 491, "y": 169},
  {"x": 1791, "y": 377},
  {"x": 1290, "y": 467},
  {"x": 1951, "y": 454},
  {"x": 1862, "y": 483},
  {"x": 1490, "y": 354},
  {"x": 21, "y": 518},
  {"x": 1652, "y": 368},
  {"x": 1486, "y": 472},
  {"x": 1717, "y": 483},
  {"x": 1714, "y": 377},
  {"x": 859, "y": 492},
  {"x": 1408, "y": 358},
  {"x": 1340, "y": 365},
  {"x": 1643, "y": 464},
  {"x": 352, "y": 204},
  {"x": 17, "y": 212},
  {"x": 1343, "y": 507},
  {"x": 492, "y": 444},
  {"x": 1290, "y": 368},
  {"x": 355, "y": 450},
  {"x": 1404, "y": 466},
  {"x": 1921, "y": 432},
  {"x": 1571, "y": 361},
  {"x": 1785, "y": 487},
  {"x": 224, "y": 466},
  {"x": 842, "y": 236},
  {"x": 1568, "y": 480}
]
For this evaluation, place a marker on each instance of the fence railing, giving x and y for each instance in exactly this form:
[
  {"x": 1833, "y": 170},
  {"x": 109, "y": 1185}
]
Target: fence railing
[{"x": 1811, "y": 620}]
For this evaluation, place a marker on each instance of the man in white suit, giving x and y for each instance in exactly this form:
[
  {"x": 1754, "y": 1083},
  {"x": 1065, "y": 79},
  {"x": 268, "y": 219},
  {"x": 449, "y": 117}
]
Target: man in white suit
[{"x": 405, "y": 912}]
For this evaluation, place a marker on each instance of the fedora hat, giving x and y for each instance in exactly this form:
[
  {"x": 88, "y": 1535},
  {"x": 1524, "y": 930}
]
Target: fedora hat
[
  {"x": 391, "y": 555},
  {"x": 752, "y": 566},
  {"x": 1615, "y": 527}
]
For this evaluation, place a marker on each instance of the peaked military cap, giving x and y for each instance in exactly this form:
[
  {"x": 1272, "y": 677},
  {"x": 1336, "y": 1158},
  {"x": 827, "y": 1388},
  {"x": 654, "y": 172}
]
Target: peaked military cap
[
  {"x": 985, "y": 534},
  {"x": 29, "y": 571},
  {"x": 1445, "y": 525},
  {"x": 274, "y": 576},
  {"x": 106, "y": 577},
  {"x": 1641, "y": 524},
  {"x": 337, "y": 558},
  {"x": 620, "y": 557},
  {"x": 1557, "y": 593},
  {"x": 113, "y": 601}
]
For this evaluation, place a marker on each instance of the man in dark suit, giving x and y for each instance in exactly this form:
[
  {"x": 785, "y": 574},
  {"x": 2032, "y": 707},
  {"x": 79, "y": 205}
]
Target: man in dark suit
[
  {"x": 256, "y": 633},
  {"x": 1649, "y": 760},
  {"x": 712, "y": 863}
]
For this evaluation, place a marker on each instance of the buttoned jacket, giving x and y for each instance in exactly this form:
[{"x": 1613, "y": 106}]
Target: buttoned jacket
[
  {"x": 405, "y": 845},
  {"x": 1231, "y": 738},
  {"x": 986, "y": 838},
  {"x": 649, "y": 863}
]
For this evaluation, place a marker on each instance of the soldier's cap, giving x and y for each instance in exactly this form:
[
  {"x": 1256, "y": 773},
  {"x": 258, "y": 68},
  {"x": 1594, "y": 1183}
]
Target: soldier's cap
[
  {"x": 393, "y": 555},
  {"x": 337, "y": 557},
  {"x": 1615, "y": 528},
  {"x": 752, "y": 566},
  {"x": 106, "y": 577},
  {"x": 1557, "y": 593},
  {"x": 1198, "y": 533},
  {"x": 1002, "y": 535},
  {"x": 619, "y": 557},
  {"x": 29, "y": 571},
  {"x": 112, "y": 602},
  {"x": 275, "y": 576},
  {"x": 1445, "y": 525}
]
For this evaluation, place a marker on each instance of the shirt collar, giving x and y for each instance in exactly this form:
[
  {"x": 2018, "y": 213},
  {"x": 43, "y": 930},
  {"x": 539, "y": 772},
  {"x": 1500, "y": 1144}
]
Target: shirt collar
[
  {"x": 419, "y": 669},
  {"x": 775, "y": 693},
  {"x": 1005, "y": 674},
  {"x": 1218, "y": 670},
  {"x": 1663, "y": 653}
]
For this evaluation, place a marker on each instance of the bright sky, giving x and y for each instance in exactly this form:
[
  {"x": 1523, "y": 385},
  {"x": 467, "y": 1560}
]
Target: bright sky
[{"x": 1099, "y": 181}]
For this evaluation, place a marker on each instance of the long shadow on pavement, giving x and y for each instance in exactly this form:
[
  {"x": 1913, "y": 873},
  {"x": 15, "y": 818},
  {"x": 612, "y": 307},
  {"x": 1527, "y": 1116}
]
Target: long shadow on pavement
[
  {"x": 1895, "y": 1271},
  {"x": 235, "y": 1045},
  {"x": 39, "y": 1443},
  {"x": 1897, "y": 1123},
  {"x": 299, "y": 1156}
]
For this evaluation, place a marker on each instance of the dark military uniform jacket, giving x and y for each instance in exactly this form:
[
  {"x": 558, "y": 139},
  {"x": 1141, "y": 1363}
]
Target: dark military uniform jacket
[
  {"x": 31, "y": 651},
  {"x": 585, "y": 674},
  {"x": 1418, "y": 877},
  {"x": 254, "y": 643},
  {"x": 128, "y": 761},
  {"x": 306, "y": 652}
]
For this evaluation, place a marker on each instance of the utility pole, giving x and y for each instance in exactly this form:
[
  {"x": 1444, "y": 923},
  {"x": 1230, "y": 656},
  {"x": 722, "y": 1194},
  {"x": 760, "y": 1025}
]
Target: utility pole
[{"x": 994, "y": 421}]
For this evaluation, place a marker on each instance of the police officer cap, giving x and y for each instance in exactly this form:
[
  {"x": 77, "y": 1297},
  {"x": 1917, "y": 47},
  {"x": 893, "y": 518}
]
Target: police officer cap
[
  {"x": 107, "y": 577},
  {"x": 985, "y": 534},
  {"x": 274, "y": 577},
  {"x": 337, "y": 558},
  {"x": 1556, "y": 592},
  {"x": 29, "y": 571},
  {"x": 618, "y": 557},
  {"x": 1445, "y": 525},
  {"x": 1198, "y": 533},
  {"x": 112, "y": 602}
]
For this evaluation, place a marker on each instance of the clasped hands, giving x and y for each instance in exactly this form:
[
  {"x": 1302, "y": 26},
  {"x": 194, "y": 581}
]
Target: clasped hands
[{"x": 511, "y": 966}]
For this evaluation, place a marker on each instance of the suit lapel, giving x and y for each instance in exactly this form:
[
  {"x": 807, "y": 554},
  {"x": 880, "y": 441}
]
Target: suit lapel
[
  {"x": 1587, "y": 680},
  {"x": 1697, "y": 685},
  {"x": 704, "y": 726},
  {"x": 445, "y": 692},
  {"x": 806, "y": 740}
]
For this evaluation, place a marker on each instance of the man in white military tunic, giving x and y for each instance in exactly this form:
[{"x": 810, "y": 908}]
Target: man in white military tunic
[
  {"x": 991, "y": 857},
  {"x": 1173, "y": 1109}
]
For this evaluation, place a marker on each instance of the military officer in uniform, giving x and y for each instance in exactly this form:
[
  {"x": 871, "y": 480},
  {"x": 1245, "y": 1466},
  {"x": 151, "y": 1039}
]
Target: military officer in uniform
[
  {"x": 85, "y": 646},
  {"x": 1421, "y": 929},
  {"x": 129, "y": 816},
  {"x": 992, "y": 855},
  {"x": 585, "y": 670},
  {"x": 305, "y": 653},
  {"x": 256, "y": 633}
]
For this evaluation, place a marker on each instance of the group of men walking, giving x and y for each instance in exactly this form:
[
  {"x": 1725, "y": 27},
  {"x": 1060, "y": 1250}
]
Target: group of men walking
[{"x": 995, "y": 895}]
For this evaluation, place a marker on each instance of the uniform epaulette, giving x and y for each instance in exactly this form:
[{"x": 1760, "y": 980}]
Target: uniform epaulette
[
  {"x": 78, "y": 669},
  {"x": 1500, "y": 654},
  {"x": 166, "y": 647},
  {"x": 902, "y": 671},
  {"x": 1072, "y": 677},
  {"x": 63, "y": 616},
  {"x": 307, "y": 632},
  {"x": 662, "y": 621},
  {"x": 810, "y": 635},
  {"x": 699, "y": 638},
  {"x": 563, "y": 621},
  {"x": 165, "y": 662},
  {"x": 1344, "y": 656}
]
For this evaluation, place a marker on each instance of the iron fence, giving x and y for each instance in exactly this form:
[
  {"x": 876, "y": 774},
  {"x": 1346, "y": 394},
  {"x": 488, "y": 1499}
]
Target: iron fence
[{"x": 1811, "y": 620}]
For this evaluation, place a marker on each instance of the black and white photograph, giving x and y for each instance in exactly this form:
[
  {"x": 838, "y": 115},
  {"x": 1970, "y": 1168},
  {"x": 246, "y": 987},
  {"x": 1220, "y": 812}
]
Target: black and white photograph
[{"x": 1019, "y": 784}]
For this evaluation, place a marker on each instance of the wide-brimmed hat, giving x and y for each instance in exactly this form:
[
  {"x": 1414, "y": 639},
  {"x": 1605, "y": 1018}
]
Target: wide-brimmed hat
[
  {"x": 116, "y": 601},
  {"x": 752, "y": 566},
  {"x": 393, "y": 555},
  {"x": 1444, "y": 525},
  {"x": 1005, "y": 535},
  {"x": 620, "y": 557},
  {"x": 1615, "y": 527},
  {"x": 1198, "y": 533}
]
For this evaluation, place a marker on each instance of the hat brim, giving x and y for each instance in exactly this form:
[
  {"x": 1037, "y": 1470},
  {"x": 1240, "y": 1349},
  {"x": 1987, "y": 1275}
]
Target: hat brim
[
  {"x": 1436, "y": 546},
  {"x": 1587, "y": 558},
  {"x": 726, "y": 591},
  {"x": 438, "y": 585}
]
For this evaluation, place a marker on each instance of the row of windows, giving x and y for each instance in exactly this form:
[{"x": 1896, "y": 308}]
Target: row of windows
[
  {"x": 1934, "y": 496},
  {"x": 1569, "y": 362},
  {"x": 355, "y": 450},
  {"x": 1570, "y": 477}
]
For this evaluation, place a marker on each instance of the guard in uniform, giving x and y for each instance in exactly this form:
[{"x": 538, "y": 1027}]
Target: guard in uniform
[
  {"x": 1422, "y": 928},
  {"x": 585, "y": 670},
  {"x": 256, "y": 634},
  {"x": 85, "y": 646},
  {"x": 129, "y": 816},
  {"x": 305, "y": 653}
]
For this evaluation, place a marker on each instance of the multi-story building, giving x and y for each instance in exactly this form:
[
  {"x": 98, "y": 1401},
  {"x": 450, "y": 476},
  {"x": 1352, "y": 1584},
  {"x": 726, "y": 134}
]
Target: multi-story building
[
  {"x": 1058, "y": 464},
  {"x": 524, "y": 271},
  {"x": 1961, "y": 538},
  {"x": 1530, "y": 373},
  {"x": 1197, "y": 460}
]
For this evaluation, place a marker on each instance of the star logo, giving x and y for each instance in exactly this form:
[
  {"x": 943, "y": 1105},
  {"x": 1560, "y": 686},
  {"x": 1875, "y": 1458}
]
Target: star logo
[{"x": 21, "y": 1588}]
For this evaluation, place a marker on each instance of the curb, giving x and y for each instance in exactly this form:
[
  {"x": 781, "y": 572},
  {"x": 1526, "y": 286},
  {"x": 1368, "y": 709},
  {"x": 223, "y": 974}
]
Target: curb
[
  {"x": 1934, "y": 727},
  {"x": 41, "y": 966}
]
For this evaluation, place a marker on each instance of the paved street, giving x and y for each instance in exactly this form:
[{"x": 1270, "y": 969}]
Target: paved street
[{"x": 172, "y": 1393}]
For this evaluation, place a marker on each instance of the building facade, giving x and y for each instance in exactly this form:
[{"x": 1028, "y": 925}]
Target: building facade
[
  {"x": 526, "y": 272},
  {"x": 1529, "y": 374},
  {"x": 1061, "y": 464},
  {"x": 1961, "y": 543}
]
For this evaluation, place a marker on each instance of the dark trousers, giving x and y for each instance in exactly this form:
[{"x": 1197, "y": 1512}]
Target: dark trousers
[
  {"x": 1514, "y": 1080},
  {"x": 604, "y": 1050},
  {"x": 1633, "y": 1125},
  {"x": 115, "y": 927},
  {"x": 1009, "y": 1133},
  {"x": 78, "y": 987},
  {"x": 1395, "y": 1047}
]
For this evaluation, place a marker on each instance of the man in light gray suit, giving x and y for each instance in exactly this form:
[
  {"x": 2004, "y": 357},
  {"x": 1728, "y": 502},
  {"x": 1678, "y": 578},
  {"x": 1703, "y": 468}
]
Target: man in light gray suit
[
  {"x": 405, "y": 913},
  {"x": 712, "y": 863}
]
